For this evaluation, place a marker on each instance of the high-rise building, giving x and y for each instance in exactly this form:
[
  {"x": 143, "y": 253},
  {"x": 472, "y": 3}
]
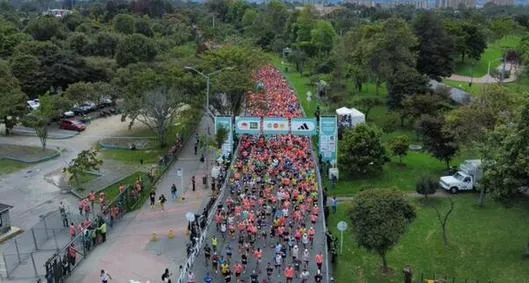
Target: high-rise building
[
  {"x": 454, "y": 3},
  {"x": 501, "y": 2}
]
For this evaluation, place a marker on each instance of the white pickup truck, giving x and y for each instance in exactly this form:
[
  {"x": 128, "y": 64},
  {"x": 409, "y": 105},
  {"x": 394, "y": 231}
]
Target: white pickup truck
[{"x": 465, "y": 179}]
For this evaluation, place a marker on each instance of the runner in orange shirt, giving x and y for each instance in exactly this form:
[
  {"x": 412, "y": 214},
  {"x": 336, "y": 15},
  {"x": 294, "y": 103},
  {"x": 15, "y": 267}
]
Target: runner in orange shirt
[
  {"x": 289, "y": 273},
  {"x": 319, "y": 260}
]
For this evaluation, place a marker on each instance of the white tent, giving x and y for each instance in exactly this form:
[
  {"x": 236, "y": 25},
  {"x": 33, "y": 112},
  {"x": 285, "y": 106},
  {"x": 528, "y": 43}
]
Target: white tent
[{"x": 349, "y": 117}]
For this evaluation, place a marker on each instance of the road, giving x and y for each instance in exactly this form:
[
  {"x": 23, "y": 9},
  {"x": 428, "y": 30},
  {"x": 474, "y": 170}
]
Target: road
[
  {"x": 487, "y": 79},
  {"x": 33, "y": 191}
]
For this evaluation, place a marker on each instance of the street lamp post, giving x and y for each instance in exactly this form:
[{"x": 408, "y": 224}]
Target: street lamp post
[{"x": 208, "y": 82}]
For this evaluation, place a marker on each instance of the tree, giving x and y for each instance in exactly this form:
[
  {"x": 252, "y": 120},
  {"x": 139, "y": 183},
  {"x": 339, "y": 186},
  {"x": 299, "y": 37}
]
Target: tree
[
  {"x": 143, "y": 26},
  {"x": 78, "y": 43},
  {"x": 235, "y": 85},
  {"x": 408, "y": 82},
  {"x": 505, "y": 162},
  {"x": 436, "y": 48},
  {"x": 399, "y": 146},
  {"x": 85, "y": 161},
  {"x": 80, "y": 92},
  {"x": 50, "y": 108},
  {"x": 8, "y": 43},
  {"x": 368, "y": 103},
  {"x": 104, "y": 44},
  {"x": 135, "y": 48},
  {"x": 443, "y": 219},
  {"x": 431, "y": 103},
  {"x": 426, "y": 186},
  {"x": 322, "y": 36},
  {"x": 469, "y": 38},
  {"x": 438, "y": 142},
  {"x": 221, "y": 136},
  {"x": 45, "y": 28},
  {"x": 361, "y": 151},
  {"x": 157, "y": 110},
  {"x": 124, "y": 23},
  {"x": 380, "y": 217},
  {"x": 12, "y": 99},
  {"x": 26, "y": 68}
]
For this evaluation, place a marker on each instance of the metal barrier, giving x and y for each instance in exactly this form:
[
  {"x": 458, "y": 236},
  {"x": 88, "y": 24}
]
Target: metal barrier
[{"x": 25, "y": 251}]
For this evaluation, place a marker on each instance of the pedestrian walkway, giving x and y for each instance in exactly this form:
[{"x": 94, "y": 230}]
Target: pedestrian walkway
[
  {"x": 488, "y": 79},
  {"x": 129, "y": 252}
]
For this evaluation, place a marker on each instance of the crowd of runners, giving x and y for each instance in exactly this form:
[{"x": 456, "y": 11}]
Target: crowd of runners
[{"x": 267, "y": 228}]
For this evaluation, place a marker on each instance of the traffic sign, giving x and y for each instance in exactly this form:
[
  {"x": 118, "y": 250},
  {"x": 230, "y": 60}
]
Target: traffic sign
[{"x": 342, "y": 226}]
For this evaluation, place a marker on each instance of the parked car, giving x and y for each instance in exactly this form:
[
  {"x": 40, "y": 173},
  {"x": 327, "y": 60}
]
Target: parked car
[
  {"x": 68, "y": 114},
  {"x": 72, "y": 125},
  {"x": 88, "y": 106},
  {"x": 33, "y": 104},
  {"x": 105, "y": 101}
]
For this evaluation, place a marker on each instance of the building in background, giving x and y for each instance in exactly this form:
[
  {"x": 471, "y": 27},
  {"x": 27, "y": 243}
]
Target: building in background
[
  {"x": 455, "y": 3},
  {"x": 501, "y": 2}
]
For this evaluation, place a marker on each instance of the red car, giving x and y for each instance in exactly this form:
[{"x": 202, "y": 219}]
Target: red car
[{"x": 72, "y": 125}]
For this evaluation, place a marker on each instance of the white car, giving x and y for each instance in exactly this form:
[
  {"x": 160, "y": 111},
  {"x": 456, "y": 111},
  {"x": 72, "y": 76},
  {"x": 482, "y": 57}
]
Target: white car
[{"x": 33, "y": 104}]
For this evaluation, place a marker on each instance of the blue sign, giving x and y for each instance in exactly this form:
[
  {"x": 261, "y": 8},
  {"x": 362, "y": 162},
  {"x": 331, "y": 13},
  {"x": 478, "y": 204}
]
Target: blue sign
[
  {"x": 225, "y": 122},
  {"x": 303, "y": 126},
  {"x": 276, "y": 126},
  {"x": 248, "y": 125},
  {"x": 328, "y": 138}
]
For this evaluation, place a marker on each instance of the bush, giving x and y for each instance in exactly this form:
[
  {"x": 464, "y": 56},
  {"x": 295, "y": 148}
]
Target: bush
[
  {"x": 426, "y": 186},
  {"x": 390, "y": 122}
]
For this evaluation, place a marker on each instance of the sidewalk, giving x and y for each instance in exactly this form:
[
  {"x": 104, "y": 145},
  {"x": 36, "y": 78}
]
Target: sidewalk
[{"x": 129, "y": 253}]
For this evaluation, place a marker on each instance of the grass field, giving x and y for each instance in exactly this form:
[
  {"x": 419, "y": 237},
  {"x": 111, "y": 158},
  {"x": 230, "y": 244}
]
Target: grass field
[
  {"x": 484, "y": 244},
  {"x": 492, "y": 54},
  {"x": 10, "y": 166},
  {"x": 149, "y": 156}
]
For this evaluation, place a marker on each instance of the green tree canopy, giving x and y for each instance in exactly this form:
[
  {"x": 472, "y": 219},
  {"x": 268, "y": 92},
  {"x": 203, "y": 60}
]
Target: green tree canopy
[
  {"x": 123, "y": 23},
  {"x": 437, "y": 48},
  {"x": 45, "y": 28},
  {"x": 12, "y": 99},
  {"x": 380, "y": 217},
  {"x": 135, "y": 48},
  {"x": 361, "y": 152}
]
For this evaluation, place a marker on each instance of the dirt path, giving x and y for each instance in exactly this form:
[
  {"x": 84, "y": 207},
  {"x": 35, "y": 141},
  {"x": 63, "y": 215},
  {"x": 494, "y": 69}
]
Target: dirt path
[{"x": 487, "y": 79}]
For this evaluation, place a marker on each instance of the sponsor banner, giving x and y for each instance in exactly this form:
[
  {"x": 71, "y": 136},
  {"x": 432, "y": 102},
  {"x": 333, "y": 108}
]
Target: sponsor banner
[
  {"x": 303, "y": 126},
  {"x": 248, "y": 125},
  {"x": 328, "y": 138},
  {"x": 225, "y": 122},
  {"x": 276, "y": 126}
]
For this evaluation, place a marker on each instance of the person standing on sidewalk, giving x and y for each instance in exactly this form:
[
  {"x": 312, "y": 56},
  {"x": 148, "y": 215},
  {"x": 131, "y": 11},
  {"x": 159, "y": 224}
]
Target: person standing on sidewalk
[
  {"x": 334, "y": 204},
  {"x": 173, "y": 192},
  {"x": 152, "y": 197},
  {"x": 193, "y": 183},
  {"x": 162, "y": 200},
  {"x": 105, "y": 277}
]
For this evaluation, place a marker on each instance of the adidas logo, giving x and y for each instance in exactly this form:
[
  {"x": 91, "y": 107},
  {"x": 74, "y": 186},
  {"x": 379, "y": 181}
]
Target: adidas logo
[{"x": 303, "y": 127}]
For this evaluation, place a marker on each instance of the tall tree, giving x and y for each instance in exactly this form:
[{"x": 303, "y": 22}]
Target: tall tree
[
  {"x": 135, "y": 48},
  {"x": 506, "y": 166},
  {"x": 436, "y": 47},
  {"x": 380, "y": 218},
  {"x": 440, "y": 143},
  {"x": 157, "y": 110},
  {"x": 50, "y": 108},
  {"x": 361, "y": 151},
  {"x": 322, "y": 36},
  {"x": 45, "y": 28},
  {"x": 12, "y": 99},
  {"x": 124, "y": 23}
]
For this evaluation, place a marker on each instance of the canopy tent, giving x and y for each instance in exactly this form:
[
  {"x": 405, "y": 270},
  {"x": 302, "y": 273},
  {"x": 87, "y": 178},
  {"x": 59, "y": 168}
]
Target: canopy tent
[{"x": 349, "y": 117}]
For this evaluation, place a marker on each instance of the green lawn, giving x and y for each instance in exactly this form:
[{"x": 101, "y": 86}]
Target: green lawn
[
  {"x": 395, "y": 175},
  {"x": 492, "y": 54},
  {"x": 484, "y": 244},
  {"x": 10, "y": 166},
  {"x": 133, "y": 156},
  {"x": 112, "y": 191}
]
